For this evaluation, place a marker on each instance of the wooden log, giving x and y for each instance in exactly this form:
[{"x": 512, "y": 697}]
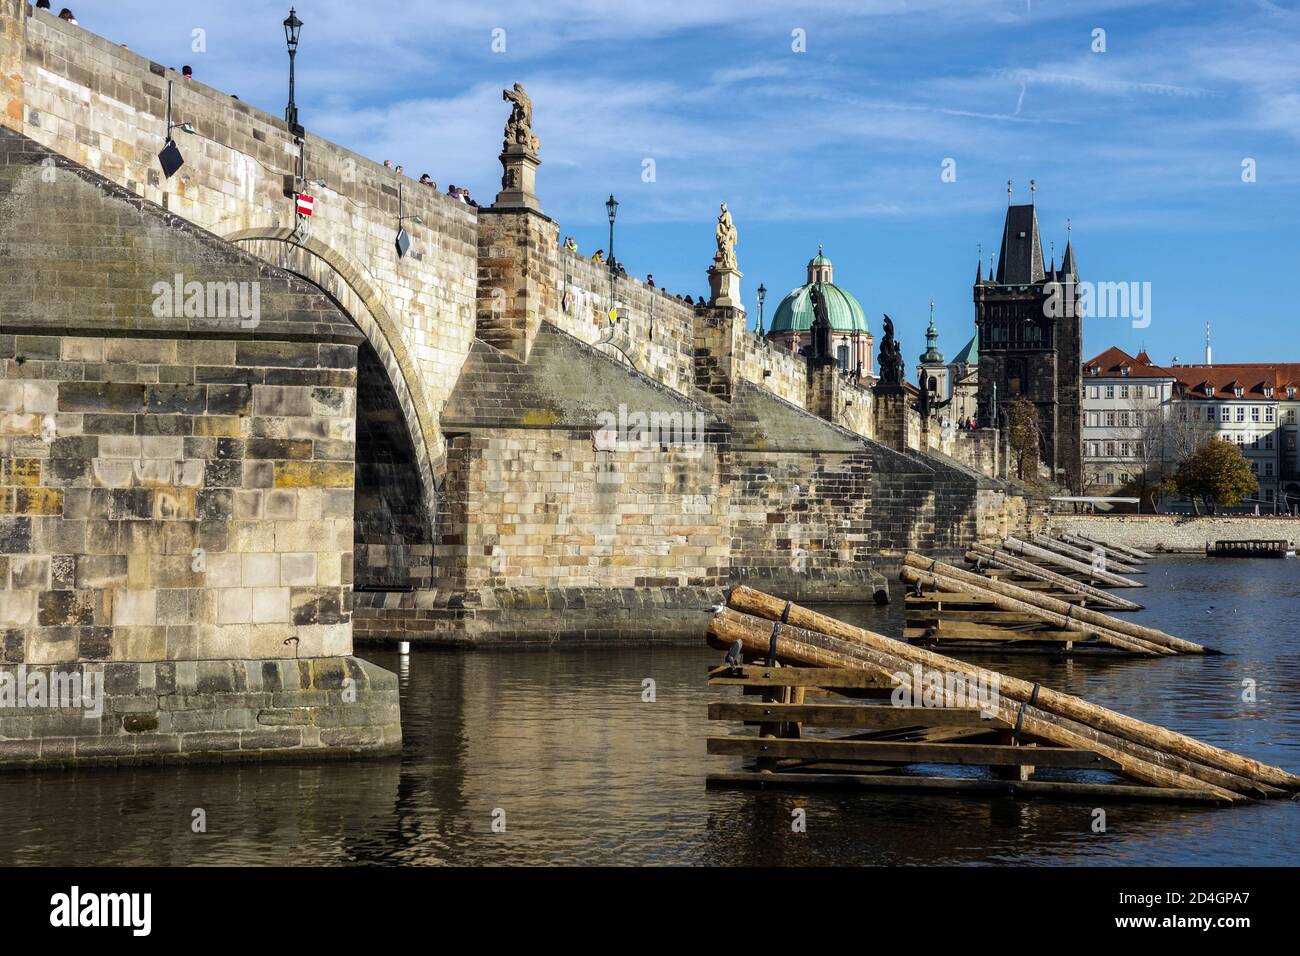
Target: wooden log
[
  {"x": 892, "y": 658},
  {"x": 974, "y": 631},
  {"x": 911, "y": 656},
  {"x": 1080, "y": 712},
  {"x": 986, "y": 555},
  {"x": 832, "y": 677},
  {"x": 855, "y": 715},
  {"x": 1058, "y": 789},
  {"x": 1122, "y": 548},
  {"x": 906, "y": 752},
  {"x": 1084, "y": 556},
  {"x": 1061, "y": 561},
  {"x": 1112, "y": 624},
  {"x": 1109, "y": 550},
  {"x": 998, "y": 595}
]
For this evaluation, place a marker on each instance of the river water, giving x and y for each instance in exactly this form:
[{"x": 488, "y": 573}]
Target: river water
[{"x": 560, "y": 746}]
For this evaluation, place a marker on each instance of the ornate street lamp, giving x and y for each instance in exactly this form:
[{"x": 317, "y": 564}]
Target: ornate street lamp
[
  {"x": 762, "y": 294},
  {"x": 292, "y": 27},
  {"x": 611, "y": 207}
]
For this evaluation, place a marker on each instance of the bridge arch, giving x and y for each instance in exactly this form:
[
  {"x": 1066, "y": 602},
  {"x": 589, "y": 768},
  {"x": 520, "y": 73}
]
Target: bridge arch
[{"x": 345, "y": 281}]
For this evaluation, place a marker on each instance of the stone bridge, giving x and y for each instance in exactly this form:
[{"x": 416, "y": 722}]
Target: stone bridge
[{"x": 229, "y": 442}]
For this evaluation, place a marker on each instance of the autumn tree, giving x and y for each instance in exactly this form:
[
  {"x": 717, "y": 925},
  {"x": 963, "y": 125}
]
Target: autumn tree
[
  {"x": 1216, "y": 472},
  {"x": 1024, "y": 436}
]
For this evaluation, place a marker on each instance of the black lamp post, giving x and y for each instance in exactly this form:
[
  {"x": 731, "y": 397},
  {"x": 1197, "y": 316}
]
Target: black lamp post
[
  {"x": 292, "y": 27},
  {"x": 611, "y": 207},
  {"x": 762, "y": 294}
]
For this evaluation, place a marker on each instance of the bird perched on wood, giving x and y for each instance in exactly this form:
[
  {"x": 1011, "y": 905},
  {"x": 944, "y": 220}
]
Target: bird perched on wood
[
  {"x": 733, "y": 654},
  {"x": 717, "y": 608}
]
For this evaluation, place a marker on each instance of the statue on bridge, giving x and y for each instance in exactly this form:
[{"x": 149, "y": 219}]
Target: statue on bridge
[
  {"x": 726, "y": 236},
  {"x": 891, "y": 356},
  {"x": 519, "y": 127}
]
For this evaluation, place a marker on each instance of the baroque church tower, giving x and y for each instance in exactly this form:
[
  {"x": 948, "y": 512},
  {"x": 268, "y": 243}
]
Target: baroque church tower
[{"x": 1029, "y": 323}]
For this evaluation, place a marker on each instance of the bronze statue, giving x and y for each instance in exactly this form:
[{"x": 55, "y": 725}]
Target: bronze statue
[
  {"x": 891, "y": 356},
  {"x": 821, "y": 324}
]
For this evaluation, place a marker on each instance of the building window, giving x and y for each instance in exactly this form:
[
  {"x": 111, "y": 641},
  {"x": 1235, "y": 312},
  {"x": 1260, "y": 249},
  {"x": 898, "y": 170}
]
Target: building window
[
  {"x": 1110, "y": 451},
  {"x": 1241, "y": 413},
  {"x": 1268, "y": 441},
  {"x": 1110, "y": 391},
  {"x": 1123, "y": 449},
  {"x": 1290, "y": 416},
  {"x": 1254, "y": 413},
  {"x": 1153, "y": 391},
  {"x": 1268, "y": 469},
  {"x": 842, "y": 355},
  {"x": 1227, "y": 414},
  {"x": 1137, "y": 418},
  {"x": 1110, "y": 419},
  {"x": 1123, "y": 391},
  {"x": 1123, "y": 419},
  {"x": 1254, "y": 442},
  {"x": 1110, "y": 478},
  {"x": 1094, "y": 391},
  {"x": 1268, "y": 414},
  {"x": 1254, "y": 468}
]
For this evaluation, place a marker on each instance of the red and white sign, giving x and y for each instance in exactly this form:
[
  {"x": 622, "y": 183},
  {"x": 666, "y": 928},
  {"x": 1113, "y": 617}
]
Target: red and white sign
[{"x": 305, "y": 203}]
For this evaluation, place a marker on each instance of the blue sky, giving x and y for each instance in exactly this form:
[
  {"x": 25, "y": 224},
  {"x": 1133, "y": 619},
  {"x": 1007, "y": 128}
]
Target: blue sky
[{"x": 1140, "y": 147}]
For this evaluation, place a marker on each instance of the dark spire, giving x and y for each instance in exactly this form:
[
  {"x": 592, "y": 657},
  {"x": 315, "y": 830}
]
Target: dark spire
[
  {"x": 1020, "y": 261},
  {"x": 1067, "y": 264}
]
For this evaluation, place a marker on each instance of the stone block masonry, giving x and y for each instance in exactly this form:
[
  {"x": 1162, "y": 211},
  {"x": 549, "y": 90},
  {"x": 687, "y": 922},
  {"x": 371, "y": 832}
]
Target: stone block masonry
[
  {"x": 200, "y": 711},
  {"x": 176, "y": 478},
  {"x": 462, "y": 382}
]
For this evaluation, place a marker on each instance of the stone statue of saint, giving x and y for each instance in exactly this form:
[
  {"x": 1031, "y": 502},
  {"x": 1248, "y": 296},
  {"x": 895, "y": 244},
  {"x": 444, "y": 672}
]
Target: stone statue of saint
[
  {"x": 891, "y": 357},
  {"x": 726, "y": 237},
  {"x": 519, "y": 127}
]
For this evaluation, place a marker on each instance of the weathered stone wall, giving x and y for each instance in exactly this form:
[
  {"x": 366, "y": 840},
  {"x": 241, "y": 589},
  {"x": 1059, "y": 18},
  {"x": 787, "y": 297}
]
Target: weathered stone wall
[
  {"x": 204, "y": 711},
  {"x": 654, "y": 332},
  {"x": 800, "y": 523},
  {"x": 1187, "y": 533},
  {"x": 176, "y": 482},
  {"x": 546, "y": 509},
  {"x": 105, "y": 107},
  {"x": 777, "y": 369}
]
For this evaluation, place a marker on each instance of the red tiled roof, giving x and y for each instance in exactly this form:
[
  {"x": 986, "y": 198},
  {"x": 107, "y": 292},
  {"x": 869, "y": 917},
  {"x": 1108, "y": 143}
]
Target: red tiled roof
[
  {"x": 1110, "y": 362},
  {"x": 1251, "y": 377}
]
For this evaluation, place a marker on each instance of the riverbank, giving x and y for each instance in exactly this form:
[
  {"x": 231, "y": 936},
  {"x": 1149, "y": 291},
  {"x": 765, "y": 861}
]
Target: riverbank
[{"x": 1175, "y": 534}]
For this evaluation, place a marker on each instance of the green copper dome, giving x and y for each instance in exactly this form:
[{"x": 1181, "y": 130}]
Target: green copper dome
[{"x": 795, "y": 313}]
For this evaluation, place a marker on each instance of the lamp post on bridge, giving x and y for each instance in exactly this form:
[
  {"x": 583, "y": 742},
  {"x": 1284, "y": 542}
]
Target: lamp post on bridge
[
  {"x": 292, "y": 27},
  {"x": 611, "y": 207},
  {"x": 762, "y": 294}
]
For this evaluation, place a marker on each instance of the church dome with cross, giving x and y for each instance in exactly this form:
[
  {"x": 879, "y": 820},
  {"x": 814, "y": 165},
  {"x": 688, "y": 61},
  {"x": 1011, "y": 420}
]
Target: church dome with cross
[{"x": 791, "y": 323}]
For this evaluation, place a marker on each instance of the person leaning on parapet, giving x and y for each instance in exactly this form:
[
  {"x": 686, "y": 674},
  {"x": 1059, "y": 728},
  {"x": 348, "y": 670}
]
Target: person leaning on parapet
[
  {"x": 42, "y": 4},
  {"x": 570, "y": 244},
  {"x": 650, "y": 280},
  {"x": 598, "y": 255},
  {"x": 66, "y": 14},
  {"x": 426, "y": 181}
]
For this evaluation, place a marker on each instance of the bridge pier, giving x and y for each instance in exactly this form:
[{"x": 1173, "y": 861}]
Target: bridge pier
[{"x": 177, "y": 445}]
